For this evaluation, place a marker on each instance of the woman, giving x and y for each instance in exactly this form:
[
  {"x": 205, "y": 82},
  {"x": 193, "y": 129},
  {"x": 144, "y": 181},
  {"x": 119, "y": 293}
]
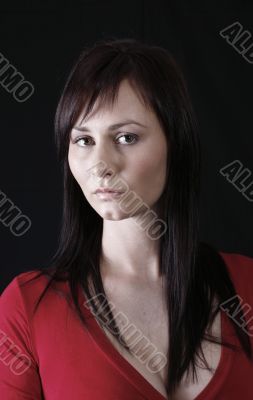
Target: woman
[{"x": 151, "y": 299}]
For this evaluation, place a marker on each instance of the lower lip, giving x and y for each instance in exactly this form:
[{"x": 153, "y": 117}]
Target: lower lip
[{"x": 108, "y": 195}]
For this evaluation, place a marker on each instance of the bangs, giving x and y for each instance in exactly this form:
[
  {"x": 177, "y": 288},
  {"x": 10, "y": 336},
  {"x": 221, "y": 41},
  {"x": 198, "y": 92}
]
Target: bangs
[
  {"x": 104, "y": 94},
  {"x": 94, "y": 84},
  {"x": 95, "y": 80}
]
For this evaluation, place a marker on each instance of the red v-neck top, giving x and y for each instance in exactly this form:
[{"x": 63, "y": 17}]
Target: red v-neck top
[{"x": 51, "y": 356}]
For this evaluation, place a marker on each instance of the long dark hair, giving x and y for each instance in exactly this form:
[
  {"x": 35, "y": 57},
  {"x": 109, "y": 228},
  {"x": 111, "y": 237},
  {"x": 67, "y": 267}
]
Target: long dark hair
[{"x": 194, "y": 272}]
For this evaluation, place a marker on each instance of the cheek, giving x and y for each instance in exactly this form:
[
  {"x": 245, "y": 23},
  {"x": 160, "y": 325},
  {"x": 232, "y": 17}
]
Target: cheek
[
  {"x": 73, "y": 165},
  {"x": 147, "y": 180},
  {"x": 150, "y": 175},
  {"x": 77, "y": 167},
  {"x": 151, "y": 162}
]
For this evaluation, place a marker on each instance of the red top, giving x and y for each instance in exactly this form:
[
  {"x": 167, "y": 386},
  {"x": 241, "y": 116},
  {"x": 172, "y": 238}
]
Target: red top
[{"x": 58, "y": 359}]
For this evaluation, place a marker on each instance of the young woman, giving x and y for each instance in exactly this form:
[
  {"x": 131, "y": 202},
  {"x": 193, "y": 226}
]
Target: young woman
[{"x": 132, "y": 305}]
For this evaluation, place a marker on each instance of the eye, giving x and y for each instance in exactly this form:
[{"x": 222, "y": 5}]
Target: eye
[
  {"x": 82, "y": 138},
  {"x": 128, "y": 136}
]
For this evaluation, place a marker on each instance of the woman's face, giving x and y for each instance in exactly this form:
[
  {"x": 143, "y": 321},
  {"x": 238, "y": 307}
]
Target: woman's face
[{"x": 138, "y": 159}]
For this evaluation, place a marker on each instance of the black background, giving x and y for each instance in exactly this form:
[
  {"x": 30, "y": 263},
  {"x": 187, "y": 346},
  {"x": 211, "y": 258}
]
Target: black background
[{"x": 43, "y": 39}]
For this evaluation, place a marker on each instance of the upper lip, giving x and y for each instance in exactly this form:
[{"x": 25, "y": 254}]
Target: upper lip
[{"x": 107, "y": 190}]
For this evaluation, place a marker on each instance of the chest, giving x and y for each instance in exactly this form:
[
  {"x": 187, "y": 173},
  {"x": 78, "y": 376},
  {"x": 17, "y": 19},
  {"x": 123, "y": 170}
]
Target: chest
[{"x": 141, "y": 315}]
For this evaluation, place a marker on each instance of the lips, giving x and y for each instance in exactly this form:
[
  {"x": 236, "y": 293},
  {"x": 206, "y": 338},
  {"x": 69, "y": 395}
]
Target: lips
[{"x": 107, "y": 190}]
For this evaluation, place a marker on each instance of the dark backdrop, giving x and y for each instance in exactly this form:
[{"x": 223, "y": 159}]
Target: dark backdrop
[{"x": 42, "y": 39}]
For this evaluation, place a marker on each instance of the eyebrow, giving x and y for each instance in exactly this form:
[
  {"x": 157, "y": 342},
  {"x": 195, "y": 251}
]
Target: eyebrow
[{"x": 111, "y": 127}]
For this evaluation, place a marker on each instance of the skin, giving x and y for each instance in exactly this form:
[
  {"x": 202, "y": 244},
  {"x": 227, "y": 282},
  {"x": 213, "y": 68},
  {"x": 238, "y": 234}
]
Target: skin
[{"x": 141, "y": 164}]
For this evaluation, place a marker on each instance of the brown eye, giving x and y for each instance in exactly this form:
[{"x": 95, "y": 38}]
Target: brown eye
[
  {"x": 129, "y": 138},
  {"x": 83, "y": 138}
]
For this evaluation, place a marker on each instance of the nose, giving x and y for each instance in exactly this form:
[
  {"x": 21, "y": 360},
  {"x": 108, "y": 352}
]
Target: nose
[
  {"x": 100, "y": 170},
  {"x": 105, "y": 162}
]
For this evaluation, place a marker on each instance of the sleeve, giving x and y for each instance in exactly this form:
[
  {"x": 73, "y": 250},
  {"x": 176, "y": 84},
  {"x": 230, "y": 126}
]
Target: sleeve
[{"x": 19, "y": 373}]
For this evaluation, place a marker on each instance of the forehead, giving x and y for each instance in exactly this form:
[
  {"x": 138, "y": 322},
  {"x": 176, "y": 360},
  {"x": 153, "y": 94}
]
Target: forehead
[{"x": 128, "y": 104}]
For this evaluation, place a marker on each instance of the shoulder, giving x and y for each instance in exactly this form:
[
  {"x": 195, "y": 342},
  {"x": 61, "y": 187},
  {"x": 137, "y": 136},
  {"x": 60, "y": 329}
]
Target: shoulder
[
  {"x": 25, "y": 285},
  {"x": 17, "y": 307},
  {"x": 238, "y": 263},
  {"x": 26, "y": 288},
  {"x": 240, "y": 269},
  {"x": 19, "y": 297},
  {"x": 15, "y": 303},
  {"x": 17, "y": 346}
]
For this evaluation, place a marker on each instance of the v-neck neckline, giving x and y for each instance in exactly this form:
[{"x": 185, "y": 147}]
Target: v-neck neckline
[{"x": 136, "y": 379}]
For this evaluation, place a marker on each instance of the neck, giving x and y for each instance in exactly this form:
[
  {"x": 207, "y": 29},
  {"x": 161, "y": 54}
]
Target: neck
[{"x": 128, "y": 252}]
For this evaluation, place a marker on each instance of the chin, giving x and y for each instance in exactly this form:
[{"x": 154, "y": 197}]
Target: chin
[
  {"x": 111, "y": 213},
  {"x": 111, "y": 216}
]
